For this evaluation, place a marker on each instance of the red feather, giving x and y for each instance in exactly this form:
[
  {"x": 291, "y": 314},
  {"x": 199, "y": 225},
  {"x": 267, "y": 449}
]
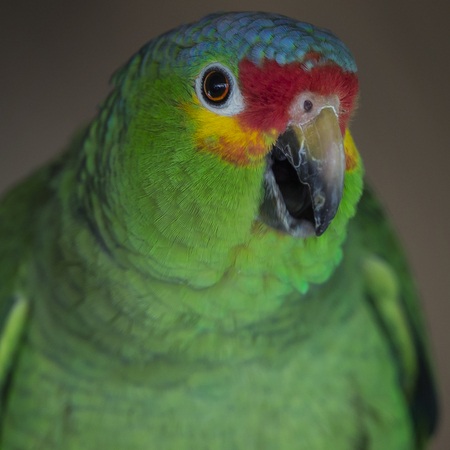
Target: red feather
[{"x": 270, "y": 89}]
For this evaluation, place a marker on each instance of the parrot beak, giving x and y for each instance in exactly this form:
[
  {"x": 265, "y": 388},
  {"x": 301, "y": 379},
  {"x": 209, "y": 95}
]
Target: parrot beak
[{"x": 304, "y": 178}]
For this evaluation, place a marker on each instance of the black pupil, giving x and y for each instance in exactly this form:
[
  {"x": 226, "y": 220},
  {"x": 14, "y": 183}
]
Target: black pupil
[
  {"x": 216, "y": 85},
  {"x": 307, "y": 106}
]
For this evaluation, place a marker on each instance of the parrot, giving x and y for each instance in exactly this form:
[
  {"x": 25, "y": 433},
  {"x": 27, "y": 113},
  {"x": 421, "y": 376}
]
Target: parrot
[{"x": 204, "y": 267}]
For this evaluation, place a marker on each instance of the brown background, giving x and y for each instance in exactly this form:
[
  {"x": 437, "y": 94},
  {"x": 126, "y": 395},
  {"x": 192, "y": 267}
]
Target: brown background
[{"x": 56, "y": 58}]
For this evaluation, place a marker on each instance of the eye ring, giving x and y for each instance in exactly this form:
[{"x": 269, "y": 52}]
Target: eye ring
[
  {"x": 216, "y": 86},
  {"x": 226, "y": 98}
]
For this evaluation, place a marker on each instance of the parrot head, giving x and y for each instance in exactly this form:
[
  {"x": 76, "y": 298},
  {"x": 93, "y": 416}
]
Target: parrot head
[{"x": 236, "y": 129}]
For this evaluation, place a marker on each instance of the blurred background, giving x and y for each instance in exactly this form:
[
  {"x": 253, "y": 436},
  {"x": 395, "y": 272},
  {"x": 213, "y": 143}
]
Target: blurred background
[{"x": 56, "y": 59}]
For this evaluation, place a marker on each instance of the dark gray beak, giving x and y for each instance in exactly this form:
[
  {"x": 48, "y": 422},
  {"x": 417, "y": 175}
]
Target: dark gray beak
[{"x": 308, "y": 166}]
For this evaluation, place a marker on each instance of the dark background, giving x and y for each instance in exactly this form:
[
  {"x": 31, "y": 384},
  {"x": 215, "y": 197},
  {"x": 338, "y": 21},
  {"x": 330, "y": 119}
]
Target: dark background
[{"x": 56, "y": 58}]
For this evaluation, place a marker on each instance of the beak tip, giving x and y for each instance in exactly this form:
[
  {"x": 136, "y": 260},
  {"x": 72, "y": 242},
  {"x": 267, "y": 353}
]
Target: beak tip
[
  {"x": 321, "y": 228},
  {"x": 324, "y": 216}
]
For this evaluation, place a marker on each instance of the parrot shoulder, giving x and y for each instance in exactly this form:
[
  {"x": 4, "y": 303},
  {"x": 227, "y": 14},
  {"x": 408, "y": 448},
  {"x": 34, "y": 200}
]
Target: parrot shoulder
[{"x": 391, "y": 294}]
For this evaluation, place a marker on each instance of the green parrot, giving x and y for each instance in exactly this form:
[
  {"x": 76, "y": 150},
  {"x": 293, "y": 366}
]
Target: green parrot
[{"x": 195, "y": 271}]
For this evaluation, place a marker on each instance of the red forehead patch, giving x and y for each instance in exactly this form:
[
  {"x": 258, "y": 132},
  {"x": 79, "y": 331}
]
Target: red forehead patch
[{"x": 270, "y": 89}]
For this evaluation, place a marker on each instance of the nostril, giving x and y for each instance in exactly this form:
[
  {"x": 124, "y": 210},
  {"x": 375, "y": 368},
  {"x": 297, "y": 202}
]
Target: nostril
[{"x": 307, "y": 105}]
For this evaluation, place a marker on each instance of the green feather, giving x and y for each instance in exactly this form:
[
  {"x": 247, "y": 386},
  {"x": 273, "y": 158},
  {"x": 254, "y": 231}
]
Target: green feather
[{"x": 144, "y": 305}]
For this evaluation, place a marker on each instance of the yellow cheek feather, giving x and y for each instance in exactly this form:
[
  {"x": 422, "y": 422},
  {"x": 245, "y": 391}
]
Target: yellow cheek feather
[
  {"x": 226, "y": 137},
  {"x": 351, "y": 153}
]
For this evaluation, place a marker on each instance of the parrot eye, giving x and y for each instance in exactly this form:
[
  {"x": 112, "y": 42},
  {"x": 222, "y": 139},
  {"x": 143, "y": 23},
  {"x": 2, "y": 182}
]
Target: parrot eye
[
  {"x": 307, "y": 106},
  {"x": 216, "y": 86},
  {"x": 217, "y": 89}
]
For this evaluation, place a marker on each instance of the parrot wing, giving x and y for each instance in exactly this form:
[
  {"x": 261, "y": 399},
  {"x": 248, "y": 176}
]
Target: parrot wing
[
  {"x": 12, "y": 327},
  {"x": 19, "y": 210},
  {"x": 393, "y": 301}
]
